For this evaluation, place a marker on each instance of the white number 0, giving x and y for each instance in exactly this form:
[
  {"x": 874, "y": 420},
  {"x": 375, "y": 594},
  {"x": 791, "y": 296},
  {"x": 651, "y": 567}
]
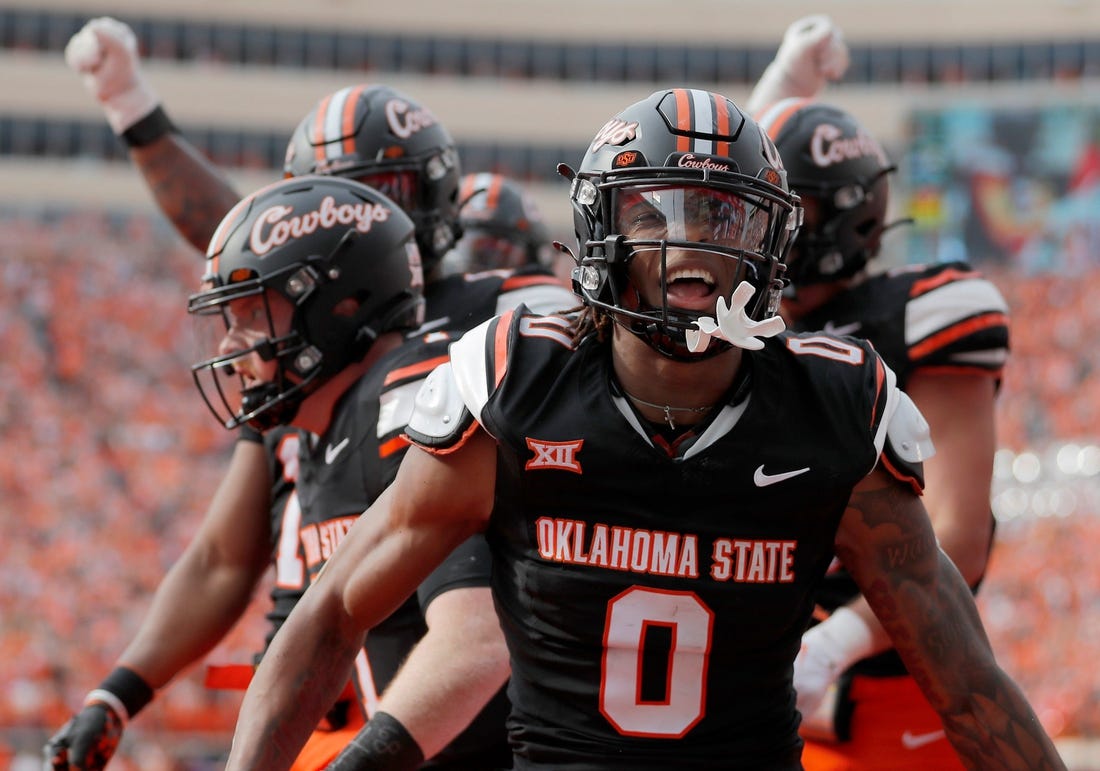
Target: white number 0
[{"x": 629, "y": 616}]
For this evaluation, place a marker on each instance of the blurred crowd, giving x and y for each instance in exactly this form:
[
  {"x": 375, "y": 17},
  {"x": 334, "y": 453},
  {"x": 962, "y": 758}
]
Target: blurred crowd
[
  {"x": 110, "y": 458},
  {"x": 1050, "y": 391}
]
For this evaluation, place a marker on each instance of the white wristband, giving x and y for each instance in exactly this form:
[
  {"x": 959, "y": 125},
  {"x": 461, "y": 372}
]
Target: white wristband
[{"x": 101, "y": 696}]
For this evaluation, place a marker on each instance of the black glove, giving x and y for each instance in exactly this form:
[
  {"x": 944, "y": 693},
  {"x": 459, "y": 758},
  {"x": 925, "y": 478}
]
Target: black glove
[
  {"x": 90, "y": 739},
  {"x": 86, "y": 742}
]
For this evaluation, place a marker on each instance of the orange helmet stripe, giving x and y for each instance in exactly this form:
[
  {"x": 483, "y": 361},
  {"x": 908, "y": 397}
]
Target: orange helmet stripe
[
  {"x": 229, "y": 221},
  {"x": 318, "y": 138},
  {"x": 776, "y": 116},
  {"x": 492, "y": 193},
  {"x": 347, "y": 124},
  {"x": 721, "y": 124},
  {"x": 684, "y": 114}
]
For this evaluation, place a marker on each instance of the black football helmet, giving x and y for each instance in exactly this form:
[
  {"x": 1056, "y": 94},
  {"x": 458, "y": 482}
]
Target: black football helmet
[
  {"x": 679, "y": 145},
  {"x": 345, "y": 258},
  {"x": 502, "y": 226},
  {"x": 381, "y": 137},
  {"x": 839, "y": 169}
]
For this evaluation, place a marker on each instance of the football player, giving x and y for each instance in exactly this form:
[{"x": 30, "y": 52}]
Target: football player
[
  {"x": 415, "y": 161},
  {"x": 315, "y": 279},
  {"x": 943, "y": 329},
  {"x": 664, "y": 482}
]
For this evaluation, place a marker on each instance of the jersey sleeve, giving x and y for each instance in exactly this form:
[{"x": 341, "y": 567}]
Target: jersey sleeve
[{"x": 957, "y": 321}]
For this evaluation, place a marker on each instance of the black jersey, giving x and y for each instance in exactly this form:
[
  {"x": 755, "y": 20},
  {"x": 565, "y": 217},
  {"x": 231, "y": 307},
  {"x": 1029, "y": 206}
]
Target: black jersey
[
  {"x": 933, "y": 318},
  {"x": 942, "y": 317},
  {"x": 653, "y": 595}
]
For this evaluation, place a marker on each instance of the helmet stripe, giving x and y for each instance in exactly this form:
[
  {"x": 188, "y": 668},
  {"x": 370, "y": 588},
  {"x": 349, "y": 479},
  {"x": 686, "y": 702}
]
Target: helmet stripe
[
  {"x": 318, "y": 137},
  {"x": 703, "y": 105},
  {"x": 469, "y": 187},
  {"x": 334, "y": 124},
  {"x": 229, "y": 221},
  {"x": 227, "y": 225},
  {"x": 721, "y": 123},
  {"x": 683, "y": 119},
  {"x": 492, "y": 193},
  {"x": 481, "y": 182},
  {"x": 347, "y": 129},
  {"x": 775, "y": 117}
]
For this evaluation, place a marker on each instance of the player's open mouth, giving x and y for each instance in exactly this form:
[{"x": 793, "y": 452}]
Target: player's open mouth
[{"x": 692, "y": 288}]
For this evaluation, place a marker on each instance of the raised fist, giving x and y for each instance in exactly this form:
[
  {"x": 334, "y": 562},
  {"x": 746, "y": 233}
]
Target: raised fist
[
  {"x": 104, "y": 53},
  {"x": 812, "y": 53},
  {"x": 86, "y": 742},
  {"x": 813, "y": 49}
]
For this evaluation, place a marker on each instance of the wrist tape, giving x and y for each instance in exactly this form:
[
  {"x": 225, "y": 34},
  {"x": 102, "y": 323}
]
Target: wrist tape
[
  {"x": 149, "y": 129},
  {"x": 382, "y": 744},
  {"x": 124, "y": 691}
]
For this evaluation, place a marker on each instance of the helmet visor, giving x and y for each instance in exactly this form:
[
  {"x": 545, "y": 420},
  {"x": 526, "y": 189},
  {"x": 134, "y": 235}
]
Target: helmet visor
[
  {"x": 691, "y": 214},
  {"x": 485, "y": 250},
  {"x": 399, "y": 186}
]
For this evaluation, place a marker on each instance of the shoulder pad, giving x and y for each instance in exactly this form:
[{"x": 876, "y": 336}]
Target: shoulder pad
[
  {"x": 908, "y": 433},
  {"x": 453, "y": 395},
  {"x": 440, "y": 417},
  {"x": 469, "y": 366},
  {"x": 908, "y": 443}
]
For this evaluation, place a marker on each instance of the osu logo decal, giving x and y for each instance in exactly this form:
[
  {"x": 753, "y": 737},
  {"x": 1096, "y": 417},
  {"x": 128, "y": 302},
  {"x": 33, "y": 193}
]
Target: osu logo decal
[
  {"x": 615, "y": 132},
  {"x": 628, "y": 158},
  {"x": 554, "y": 455}
]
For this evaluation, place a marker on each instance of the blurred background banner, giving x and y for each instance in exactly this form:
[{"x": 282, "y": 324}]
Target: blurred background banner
[
  {"x": 1016, "y": 187},
  {"x": 990, "y": 107}
]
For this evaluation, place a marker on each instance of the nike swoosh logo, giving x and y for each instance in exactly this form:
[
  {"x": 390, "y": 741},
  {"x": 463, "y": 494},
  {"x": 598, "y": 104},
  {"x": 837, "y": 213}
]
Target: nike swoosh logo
[
  {"x": 763, "y": 480},
  {"x": 912, "y": 741},
  {"x": 335, "y": 449},
  {"x": 843, "y": 329}
]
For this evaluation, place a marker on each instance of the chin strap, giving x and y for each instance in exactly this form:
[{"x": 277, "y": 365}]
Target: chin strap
[{"x": 732, "y": 324}]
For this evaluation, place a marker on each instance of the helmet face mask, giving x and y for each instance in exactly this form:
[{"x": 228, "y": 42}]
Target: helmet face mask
[
  {"x": 842, "y": 175},
  {"x": 682, "y": 178},
  {"x": 247, "y": 310},
  {"x": 379, "y": 136},
  {"x": 302, "y": 276}
]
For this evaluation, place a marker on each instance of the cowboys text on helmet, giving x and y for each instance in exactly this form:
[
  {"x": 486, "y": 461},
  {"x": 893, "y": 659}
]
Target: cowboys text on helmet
[{"x": 275, "y": 226}]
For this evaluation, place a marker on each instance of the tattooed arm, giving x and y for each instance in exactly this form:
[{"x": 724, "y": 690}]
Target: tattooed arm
[
  {"x": 191, "y": 191},
  {"x": 886, "y": 541}
]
